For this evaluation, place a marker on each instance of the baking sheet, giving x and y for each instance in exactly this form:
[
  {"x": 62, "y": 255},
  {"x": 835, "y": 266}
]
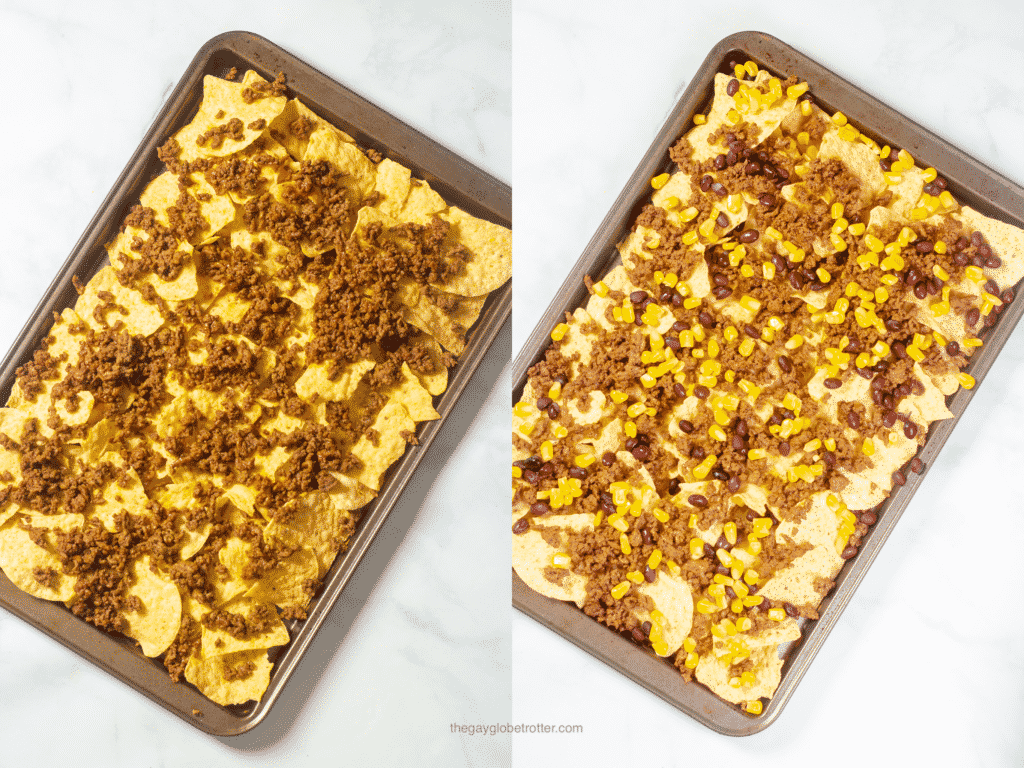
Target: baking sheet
[
  {"x": 455, "y": 179},
  {"x": 970, "y": 182}
]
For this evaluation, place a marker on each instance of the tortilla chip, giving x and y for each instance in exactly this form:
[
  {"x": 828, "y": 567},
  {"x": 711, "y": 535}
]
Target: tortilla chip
[
  {"x": 22, "y": 560},
  {"x": 392, "y": 421},
  {"x": 531, "y": 556},
  {"x": 490, "y": 246},
  {"x": 392, "y": 183},
  {"x": 217, "y": 642},
  {"x": 281, "y": 128},
  {"x": 415, "y": 397},
  {"x": 163, "y": 193},
  {"x": 224, "y": 96},
  {"x": 140, "y": 318},
  {"x": 315, "y": 382},
  {"x": 359, "y": 173},
  {"x": 210, "y": 676},
  {"x": 155, "y": 624},
  {"x": 674, "y": 599}
]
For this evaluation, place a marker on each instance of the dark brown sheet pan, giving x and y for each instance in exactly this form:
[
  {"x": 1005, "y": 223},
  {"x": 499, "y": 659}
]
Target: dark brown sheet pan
[
  {"x": 971, "y": 183},
  {"x": 455, "y": 179}
]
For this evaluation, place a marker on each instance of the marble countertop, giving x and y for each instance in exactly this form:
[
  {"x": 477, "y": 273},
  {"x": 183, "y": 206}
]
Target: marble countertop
[
  {"x": 924, "y": 667},
  {"x": 421, "y": 637}
]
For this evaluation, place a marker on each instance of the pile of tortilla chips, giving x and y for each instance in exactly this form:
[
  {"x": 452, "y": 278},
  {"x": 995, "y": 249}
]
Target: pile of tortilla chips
[
  {"x": 185, "y": 457},
  {"x": 707, "y": 441}
]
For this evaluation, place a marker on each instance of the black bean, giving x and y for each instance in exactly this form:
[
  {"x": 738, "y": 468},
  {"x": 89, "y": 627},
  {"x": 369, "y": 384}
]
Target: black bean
[
  {"x": 993, "y": 262},
  {"x": 544, "y": 402},
  {"x": 730, "y": 592},
  {"x": 913, "y": 276},
  {"x": 749, "y": 236},
  {"x": 741, "y": 428},
  {"x": 638, "y": 634},
  {"x": 791, "y": 610},
  {"x": 853, "y": 419},
  {"x": 530, "y": 476},
  {"x": 720, "y": 163},
  {"x": 868, "y": 518},
  {"x": 608, "y": 458},
  {"x": 638, "y": 297},
  {"x": 732, "y": 157},
  {"x": 677, "y": 299},
  {"x": 547, "y": 469},
  {"x": 899, "y": 478},
  {"x": 734, "y": 484},
  {"x": 737, "y": 443},
  {"x": 705, "y": 319},
  {"x": 697, "y": 453},
  {"x": 701, "y": 391},
  {"x": 952, "y": 349},
  {"x": 719, "y": 189},
  {"x": 888, "y": 419},
  {"x": 697, "y": 500},
  {"x": 917, "y": 466},
  {"x": 849, "y": 552},
  {"x": 767, "y": 200},
  {"x": 961, "y": 259},
  {"x": 785, "y": 364},
  {"x": 646, "y": 536},
  {"x": 719, "y": 474},
  {"x": 833, "y": 383},
  {"x": 977, "y": 239},
  {"x": 578, "y": 472},
  {"x": 554, "y": 411},
  {"x": 752, "y": 168},
  {"x": 641, "y": 452},
  {"x": 539, "y": 508},
  {"x": 522, "y": 525},
  {"x": 721, "y": 292},
  {"x": 705, "y": 183},
  {"x": 650, "y": 575},
  {"x": 1007, "y": 296},
  {"x": 685, "y": 425},
  {"x": 733, "y": 87},
  {"x": 784, "y": 448},
  {"x": 921, "y": 289},
  {"x": 673, "y": 486},
  {"x": 900, "y": 349},
  {"x": 924, "y": 246},
  {"x": 829, "y": 458},
  {"x": 723, "y": 543},
  {"x": 751, "y": 331}
]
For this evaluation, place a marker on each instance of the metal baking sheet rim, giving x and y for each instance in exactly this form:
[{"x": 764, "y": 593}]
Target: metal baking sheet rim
[
  {"x": 1001, "y": 199},
  {"x": 460, "y": 182}
]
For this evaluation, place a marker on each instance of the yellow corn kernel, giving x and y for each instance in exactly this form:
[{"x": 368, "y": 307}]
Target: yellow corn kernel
[
  {"x": 706, "y": 606},
  {"x": 701, "y": 470},
  {"x": 717, "y": 433},
  {"x": 624, "y": 543},
  {"x": 972, "y": 342},
  {"x": 654, "y": 560},
  {"x": 731, "y": 334},
  {"x": 754, "y": 707},
  {"x": 630, "y": 429},
  {"x": 619, "y": 524},
  {"x": 601, "y": 288},
  {"x": 794, "y": 92},
  {"x": 660, "y": 180},
  {"x": 776, "y": 614},
  {"x": 830, "y": 444},
  {"x": 940, "y": 273},
  {"x": 559, "y": 333},
  {"x": 747, "y": 347},
  {"x": 699, "y": 119},
  {"x": 848, "y": 133},
  {"x": 619, "y": 397},
  {"x": 527, "y": 429},
  {"x": 729, "y": 529},
  {"x": 880, "y": 348},
  {"x": 547, "y": 451},
  {"x": 946, "y": 200},
  {"x": 754, "y": 454},
  {"x": 584, "y": 460},
  {"x": 873, "y": 243},
  {"x": 940, "y": 308},
  {"x": 636, "y": 577},
  {"x": 894, "y": 262},
  {"x": 837, "y": 242},
  {"x": 733, "y": 116},
  {"x": 689, "y": 645},
  {"x": 881, "y": 295},
  {"x": 892, "y": 178},
  {"x": 619, "y": 590},
  {"x": 966, "y": 380},
  {"x": 750, "y": 67},
  {"x": 523, "y": 409},
  {"x": 868, "y": 447},
  {"x": 823, "y": 274},
  {"x": 939, "y": 247},
  {"x": 857, "y": 229},
  {"x": 696, "y": 549},
  {"x": 635, "y": 409},
  {"x": 692, "y": 660}
]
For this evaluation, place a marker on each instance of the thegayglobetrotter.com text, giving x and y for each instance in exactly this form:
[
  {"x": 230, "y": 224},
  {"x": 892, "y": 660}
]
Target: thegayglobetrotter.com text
[{"x": 495, "y": 729}]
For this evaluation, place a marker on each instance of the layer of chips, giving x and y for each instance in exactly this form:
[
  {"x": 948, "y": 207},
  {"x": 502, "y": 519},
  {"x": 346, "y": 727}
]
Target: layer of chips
[
  {"x": 190, "y": 450},
  {"x": 704, "y": 445}
]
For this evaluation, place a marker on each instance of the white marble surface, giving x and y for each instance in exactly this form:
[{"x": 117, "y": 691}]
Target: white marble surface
[
  {"x": 924, "y": 667},
  {"x": 430, "y": 646}
]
